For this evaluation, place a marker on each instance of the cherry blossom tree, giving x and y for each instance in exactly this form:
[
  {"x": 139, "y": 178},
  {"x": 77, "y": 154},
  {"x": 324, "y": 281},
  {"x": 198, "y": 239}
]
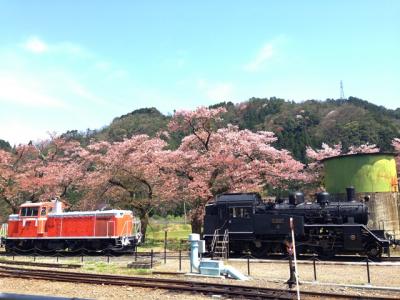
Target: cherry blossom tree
[
  {"x": 39, "y": 172},
  {"x": 211, "y": 161},
  {"x": 8, "y": 185},
  {"x": 20, "y": 176},
  {"x": 396, "y": 144},
  {"x": 64, "y": 167},
  {"x": 325, "y": 152},
  {"x": 365, "y": 148},
  {"x": 129, "y": 172}
]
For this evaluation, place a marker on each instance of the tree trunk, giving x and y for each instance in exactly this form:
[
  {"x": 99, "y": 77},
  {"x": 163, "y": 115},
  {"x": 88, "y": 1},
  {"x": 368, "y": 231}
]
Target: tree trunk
[
  {"x": 196, "y": 226},
  {"x": 14, "y": 208},
  {"x": 144, "y": 221},
  {"x": 196, "y": 219}
]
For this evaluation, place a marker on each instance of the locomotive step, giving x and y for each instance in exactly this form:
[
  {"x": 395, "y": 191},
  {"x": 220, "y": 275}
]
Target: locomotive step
[{"x": 219, "y": 248}]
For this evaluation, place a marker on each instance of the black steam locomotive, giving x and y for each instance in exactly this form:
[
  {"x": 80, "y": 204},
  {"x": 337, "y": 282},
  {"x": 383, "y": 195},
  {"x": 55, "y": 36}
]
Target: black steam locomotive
[{"x": 323, "y": 227}]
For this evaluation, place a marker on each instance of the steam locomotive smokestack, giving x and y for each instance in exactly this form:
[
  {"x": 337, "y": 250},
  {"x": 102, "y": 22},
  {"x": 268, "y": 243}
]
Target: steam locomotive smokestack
[
  {"x": 323, "y": 198},
  {"x": 351, "y": 194}
]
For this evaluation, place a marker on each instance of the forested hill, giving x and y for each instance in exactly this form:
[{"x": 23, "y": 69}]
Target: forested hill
[{"x": 352, "y": 122}]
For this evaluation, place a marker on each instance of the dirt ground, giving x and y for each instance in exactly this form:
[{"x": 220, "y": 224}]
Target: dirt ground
[
  {"x": 381, "y": 274},
  {"x": 263, "y": 274},
  {"x": 86, "y": 291}
]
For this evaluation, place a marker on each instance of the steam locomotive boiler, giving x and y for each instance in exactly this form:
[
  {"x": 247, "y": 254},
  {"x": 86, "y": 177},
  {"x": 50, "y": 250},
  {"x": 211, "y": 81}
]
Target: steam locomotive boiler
[{"x": 323, "y": 227}]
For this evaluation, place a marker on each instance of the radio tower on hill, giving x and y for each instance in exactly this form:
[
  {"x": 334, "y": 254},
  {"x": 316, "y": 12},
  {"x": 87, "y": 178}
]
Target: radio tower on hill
[{"x": 341, "y": 90}]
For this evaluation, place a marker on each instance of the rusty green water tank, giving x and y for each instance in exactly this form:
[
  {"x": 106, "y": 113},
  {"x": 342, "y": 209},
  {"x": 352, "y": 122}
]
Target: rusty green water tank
[{"x": 367, "y": 172}]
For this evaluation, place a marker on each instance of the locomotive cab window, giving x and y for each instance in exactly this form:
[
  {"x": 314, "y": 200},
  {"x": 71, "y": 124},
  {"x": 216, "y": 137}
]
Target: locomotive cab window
[
  {"x": 29, "y": 211},
  {"x": 240, "y": 212},
  {"x": 43, "y": 211}
]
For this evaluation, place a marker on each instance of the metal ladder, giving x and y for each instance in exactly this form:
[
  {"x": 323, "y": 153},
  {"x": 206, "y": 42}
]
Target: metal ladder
[{"x": 220, "y": 245}]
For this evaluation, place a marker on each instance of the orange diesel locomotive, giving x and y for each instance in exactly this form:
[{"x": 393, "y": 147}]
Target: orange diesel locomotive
[{"x": 45, "y": 227}]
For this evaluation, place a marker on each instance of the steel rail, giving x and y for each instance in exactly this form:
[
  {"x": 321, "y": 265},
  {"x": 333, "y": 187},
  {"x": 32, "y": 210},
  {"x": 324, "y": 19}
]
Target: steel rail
[
  {"x": 178, "y": 287},
  {"x": 172, "y": 284},
  {"x": 40, "y": 264}
]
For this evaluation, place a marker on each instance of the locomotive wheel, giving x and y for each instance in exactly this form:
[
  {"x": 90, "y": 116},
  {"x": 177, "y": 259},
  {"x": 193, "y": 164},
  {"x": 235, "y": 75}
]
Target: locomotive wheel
[
  {"x": 10, "y": 247},
  {"x": 326, "y": 253},
  {"x": 374, "y": 251},
  {"x": 258, "y": 252},
  {"x": 40, "y": 248}
]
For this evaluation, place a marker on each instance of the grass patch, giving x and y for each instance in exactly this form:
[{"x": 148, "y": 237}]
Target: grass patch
[
  {"x": 157, "y": 230},
  {"x": 100, "y": 267},
  {"x": 176, "y": 231},
  {"x": 113, "y": 268},
  {"x": 142, "y": 271}
]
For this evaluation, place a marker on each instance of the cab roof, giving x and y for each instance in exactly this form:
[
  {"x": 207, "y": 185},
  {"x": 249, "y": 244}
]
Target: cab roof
[
  {"x": 238, "y": 197},
  {"x": 35, "y": 204}
]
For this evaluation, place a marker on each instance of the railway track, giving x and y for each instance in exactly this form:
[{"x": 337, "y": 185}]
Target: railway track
[
  {"x": 236, "y": 291},
  {"x": 185, "y": 255},
  {"x": 40, "y": 264}
]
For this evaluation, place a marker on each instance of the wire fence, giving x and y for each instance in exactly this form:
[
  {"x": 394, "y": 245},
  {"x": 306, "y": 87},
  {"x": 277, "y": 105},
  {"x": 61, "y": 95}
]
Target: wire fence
[
  {"x": 277, "y": 267},
  {"x": 311, "y": 269}
]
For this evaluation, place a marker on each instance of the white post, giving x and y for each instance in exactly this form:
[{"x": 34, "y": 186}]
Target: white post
[
  {"x": 194, "y": 240},
  {"x": 295, "y": 259}
]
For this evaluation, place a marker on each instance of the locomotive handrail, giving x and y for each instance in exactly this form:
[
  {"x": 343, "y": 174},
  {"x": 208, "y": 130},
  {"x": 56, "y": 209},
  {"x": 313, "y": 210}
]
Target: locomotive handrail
[
  {"x": 344, "y": 225},
  {"x": 226, "y": 243},
  {"x": 215, "y": 236},
  {"x": 125, "y": 228},
  {"x": 137, "y": 228},
  {"x": 4, "y": 230},
  {"x": 3, "y": 233},
  {"x": 108, "y": 222},
  {"x": 214, "y": 239}
]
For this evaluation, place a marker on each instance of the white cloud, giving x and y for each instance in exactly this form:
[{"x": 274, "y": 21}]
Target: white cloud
[
  {"x": 215, "y": 91},
  {"x": 18, "y": 131},
  {"x": 110, "y": 71},
  {"x": 35, "y": 45},
  {"x": 83, "y": 93},
  {"x": 70, "y": 49},
  {"x": 221, "y": 91},
  {"x": 28, "y": 92},
  {"x": 263, "y": 55}
]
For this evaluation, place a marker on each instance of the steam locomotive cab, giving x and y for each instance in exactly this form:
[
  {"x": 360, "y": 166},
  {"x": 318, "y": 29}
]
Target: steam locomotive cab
[
  {"x": 322, "y": 227},
  {"x": 250, "y": 224}
]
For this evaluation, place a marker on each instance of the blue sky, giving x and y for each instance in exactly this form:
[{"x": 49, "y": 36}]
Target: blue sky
[{"x": 78, "y": 64}]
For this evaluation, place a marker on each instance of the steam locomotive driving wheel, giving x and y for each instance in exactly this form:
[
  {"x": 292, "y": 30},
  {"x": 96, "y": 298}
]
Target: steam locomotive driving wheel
[{"x": 373, "y": 251}]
